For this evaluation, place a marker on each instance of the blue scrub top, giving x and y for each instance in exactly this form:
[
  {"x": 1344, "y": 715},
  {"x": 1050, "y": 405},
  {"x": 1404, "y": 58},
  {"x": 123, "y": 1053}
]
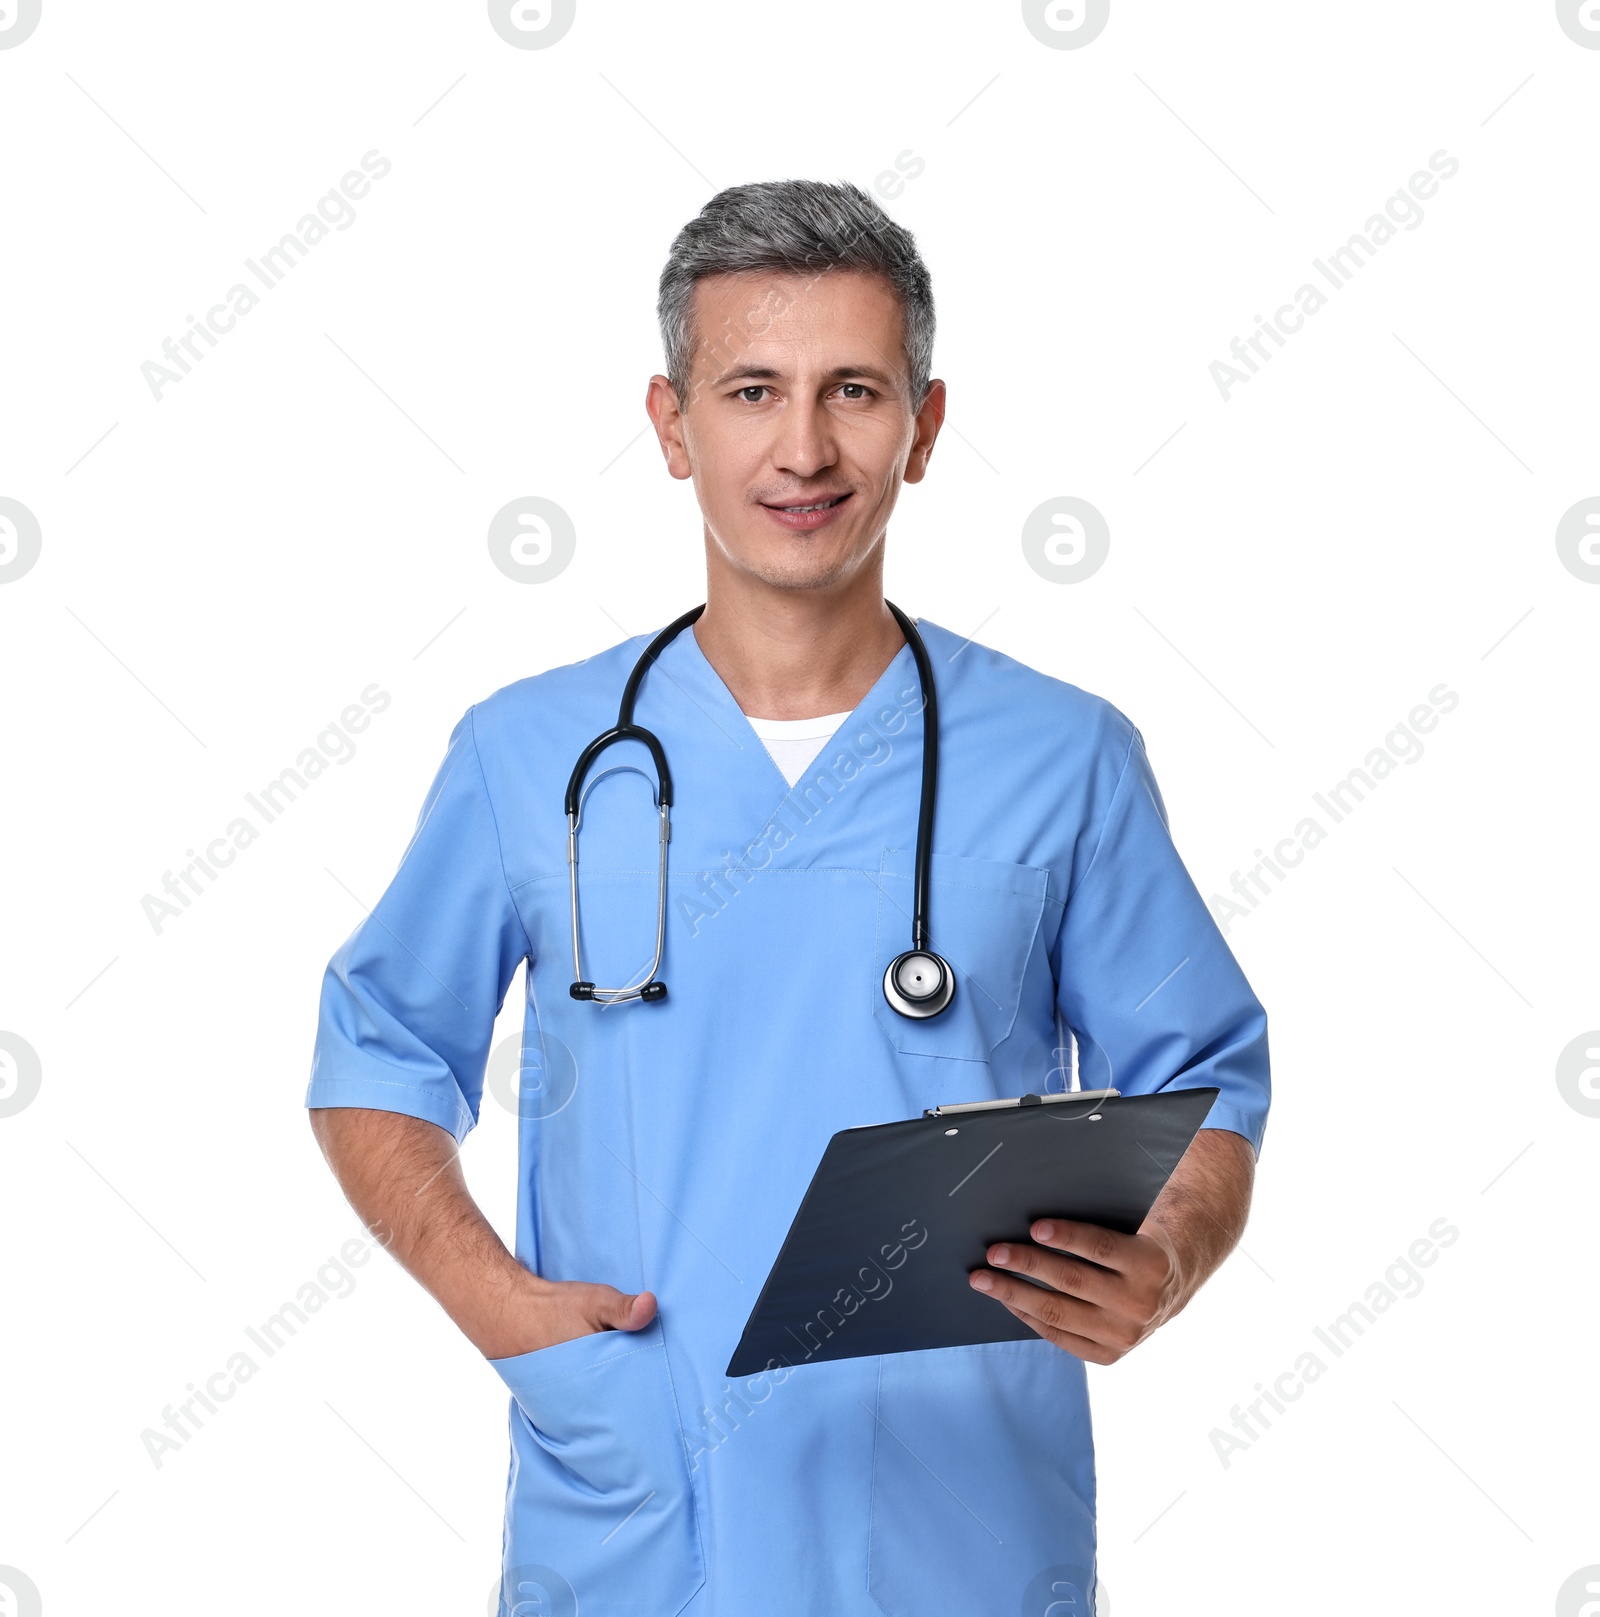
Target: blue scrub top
[{"x": 667, "y": 1146}]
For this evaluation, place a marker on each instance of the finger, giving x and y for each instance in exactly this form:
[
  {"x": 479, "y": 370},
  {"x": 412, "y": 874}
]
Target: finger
[
  {"x": 641, "y": 1310},
  {"x": 1047, "y": 1307},
  {"x": 625, "y": 1311},
  {"x": 1108, "y": 1248},
  {"x": 1094, "y": 1336},
  {"x": 1081, "y": 1347},
  {"x": 1064, "y": 1274}
]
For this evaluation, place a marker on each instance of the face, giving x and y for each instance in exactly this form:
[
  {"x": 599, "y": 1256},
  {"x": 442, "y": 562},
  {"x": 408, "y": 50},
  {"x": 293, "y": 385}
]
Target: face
[{"x": 799, "y": 426}]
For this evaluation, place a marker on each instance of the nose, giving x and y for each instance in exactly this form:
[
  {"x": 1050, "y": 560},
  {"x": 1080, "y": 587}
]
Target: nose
[{"x": 805, "y": 443}]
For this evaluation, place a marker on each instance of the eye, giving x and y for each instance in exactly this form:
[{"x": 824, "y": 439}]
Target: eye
[
  {"x": 754, "y": 388},
  {"x": 855, "y": 391}
]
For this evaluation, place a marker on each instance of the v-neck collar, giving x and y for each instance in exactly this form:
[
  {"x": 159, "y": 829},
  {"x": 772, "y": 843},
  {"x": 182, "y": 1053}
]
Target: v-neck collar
[{"x": 709, "y": 690}]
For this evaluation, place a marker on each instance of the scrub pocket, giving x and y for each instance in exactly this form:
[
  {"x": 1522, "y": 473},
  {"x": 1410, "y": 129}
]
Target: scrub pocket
[
  {"x": 983, "y": 917},
  {"x": 600, "y": 1491},
  {"x": 983, "y": 1483}
]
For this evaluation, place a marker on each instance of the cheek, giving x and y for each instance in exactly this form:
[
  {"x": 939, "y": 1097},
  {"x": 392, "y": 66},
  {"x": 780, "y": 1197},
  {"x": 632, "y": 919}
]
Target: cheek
[
  {"x": 723, "y": 489},
  {"x": 882, "y": 477}
]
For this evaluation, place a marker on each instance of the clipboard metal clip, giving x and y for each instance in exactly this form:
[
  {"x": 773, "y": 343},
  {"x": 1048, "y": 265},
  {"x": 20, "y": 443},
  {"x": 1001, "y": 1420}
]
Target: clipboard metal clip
[{"x": 1092, "y": 1095}]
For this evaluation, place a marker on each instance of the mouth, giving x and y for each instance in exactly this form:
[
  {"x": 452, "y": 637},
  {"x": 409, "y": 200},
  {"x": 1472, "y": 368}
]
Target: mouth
[{"x": 806, "y": 517}]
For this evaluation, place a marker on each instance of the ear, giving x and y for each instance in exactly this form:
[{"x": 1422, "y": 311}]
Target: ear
[
  {"x": 929, "y": 419},
  {"x": 666, "y": 416}
]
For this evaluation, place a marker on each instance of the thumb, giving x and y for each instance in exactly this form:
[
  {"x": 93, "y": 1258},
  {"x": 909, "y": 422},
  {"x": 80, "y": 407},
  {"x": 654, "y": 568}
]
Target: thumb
[{"x": 623, "y": 1311}]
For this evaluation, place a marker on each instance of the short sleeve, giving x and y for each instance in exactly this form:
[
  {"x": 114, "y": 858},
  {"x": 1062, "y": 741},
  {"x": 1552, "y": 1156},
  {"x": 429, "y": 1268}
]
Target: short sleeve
[
  {"x": 1146, "y": 980},
  {"x": 409, "y": 1000}
]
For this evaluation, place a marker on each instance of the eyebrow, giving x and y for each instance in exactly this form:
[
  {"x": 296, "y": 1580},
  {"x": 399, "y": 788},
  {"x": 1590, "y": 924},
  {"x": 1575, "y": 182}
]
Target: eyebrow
[{"x": 766, "y": 373}]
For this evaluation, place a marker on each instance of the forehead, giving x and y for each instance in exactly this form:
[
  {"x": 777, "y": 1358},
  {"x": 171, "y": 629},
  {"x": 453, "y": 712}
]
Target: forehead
[{"x": 781, "y": 317}]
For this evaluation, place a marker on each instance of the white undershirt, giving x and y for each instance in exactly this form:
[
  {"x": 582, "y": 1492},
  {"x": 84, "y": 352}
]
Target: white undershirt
[{"x": 795, "y": 743}]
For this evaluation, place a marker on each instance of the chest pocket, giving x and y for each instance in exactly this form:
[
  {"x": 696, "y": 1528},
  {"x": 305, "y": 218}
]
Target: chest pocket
[{"x": 983, "y": 917}]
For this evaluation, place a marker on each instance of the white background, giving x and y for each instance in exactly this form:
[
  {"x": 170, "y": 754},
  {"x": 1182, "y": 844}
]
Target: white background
[{"x": 305, "y": 514}]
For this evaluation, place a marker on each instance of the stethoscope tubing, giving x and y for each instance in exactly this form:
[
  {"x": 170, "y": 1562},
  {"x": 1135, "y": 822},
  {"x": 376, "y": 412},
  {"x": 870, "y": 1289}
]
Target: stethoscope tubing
[
  {"x": 909, "y": 1000},
  {"x": 930, "y": 777}
]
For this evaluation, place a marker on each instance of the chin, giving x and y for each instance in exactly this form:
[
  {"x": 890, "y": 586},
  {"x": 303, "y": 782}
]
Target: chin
[
  {"x": 800, "y": 574},
  {"x": 798, "y": 562}
]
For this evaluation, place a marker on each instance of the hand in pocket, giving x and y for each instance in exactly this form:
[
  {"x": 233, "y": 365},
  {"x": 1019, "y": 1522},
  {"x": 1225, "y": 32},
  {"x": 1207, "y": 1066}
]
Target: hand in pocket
[{"x": 548, "y": 1312}]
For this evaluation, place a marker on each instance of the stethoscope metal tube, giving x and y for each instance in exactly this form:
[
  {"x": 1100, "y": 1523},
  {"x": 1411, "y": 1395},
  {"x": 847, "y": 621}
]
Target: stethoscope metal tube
[
  {"x": 651, "y": 988},
  {"x": 626, "y": 730},
  {"x": 918, "y": 983}
]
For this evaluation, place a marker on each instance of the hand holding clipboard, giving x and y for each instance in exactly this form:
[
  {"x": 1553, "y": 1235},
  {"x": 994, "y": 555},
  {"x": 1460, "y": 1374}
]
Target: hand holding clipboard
[{"x": 898, "y": 1216}]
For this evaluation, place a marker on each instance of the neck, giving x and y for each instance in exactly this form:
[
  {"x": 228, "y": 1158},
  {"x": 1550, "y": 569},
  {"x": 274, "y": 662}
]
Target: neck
[{"x": 797, "y": 653}]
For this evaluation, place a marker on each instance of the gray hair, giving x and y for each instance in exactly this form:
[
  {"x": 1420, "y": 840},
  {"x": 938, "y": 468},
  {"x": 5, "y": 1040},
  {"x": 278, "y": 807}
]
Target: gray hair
[{"x": 805, "y": 227}]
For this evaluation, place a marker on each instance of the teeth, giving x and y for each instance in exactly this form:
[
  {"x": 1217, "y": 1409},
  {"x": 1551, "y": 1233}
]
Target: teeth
[{"x": 822, "y": 507}]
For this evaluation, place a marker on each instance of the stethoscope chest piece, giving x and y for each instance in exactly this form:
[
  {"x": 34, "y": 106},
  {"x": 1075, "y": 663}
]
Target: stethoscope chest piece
[{"x": 918, "y": 983}]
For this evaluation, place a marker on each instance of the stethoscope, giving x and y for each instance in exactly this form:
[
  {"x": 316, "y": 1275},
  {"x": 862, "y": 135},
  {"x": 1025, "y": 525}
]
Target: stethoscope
[{"x": 918, "y": 983}]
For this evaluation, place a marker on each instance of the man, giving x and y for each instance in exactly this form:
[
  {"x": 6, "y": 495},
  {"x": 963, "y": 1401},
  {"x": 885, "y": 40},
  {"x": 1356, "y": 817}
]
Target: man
[{"x": 666, "y": 1142}]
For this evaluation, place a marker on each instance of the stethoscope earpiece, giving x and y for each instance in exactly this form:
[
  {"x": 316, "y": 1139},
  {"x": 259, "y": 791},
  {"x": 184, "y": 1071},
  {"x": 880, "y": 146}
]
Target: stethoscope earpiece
[{"x": 919, "y": 983}]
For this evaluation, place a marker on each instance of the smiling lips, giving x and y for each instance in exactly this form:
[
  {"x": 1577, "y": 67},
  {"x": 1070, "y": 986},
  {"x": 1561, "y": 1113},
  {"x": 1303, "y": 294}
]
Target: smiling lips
[{"x": 804, "y": 518}]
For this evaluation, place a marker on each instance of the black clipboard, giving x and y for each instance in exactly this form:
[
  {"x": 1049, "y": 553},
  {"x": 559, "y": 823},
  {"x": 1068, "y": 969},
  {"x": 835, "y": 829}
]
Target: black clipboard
[{"x": 897, "y": 1215}]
